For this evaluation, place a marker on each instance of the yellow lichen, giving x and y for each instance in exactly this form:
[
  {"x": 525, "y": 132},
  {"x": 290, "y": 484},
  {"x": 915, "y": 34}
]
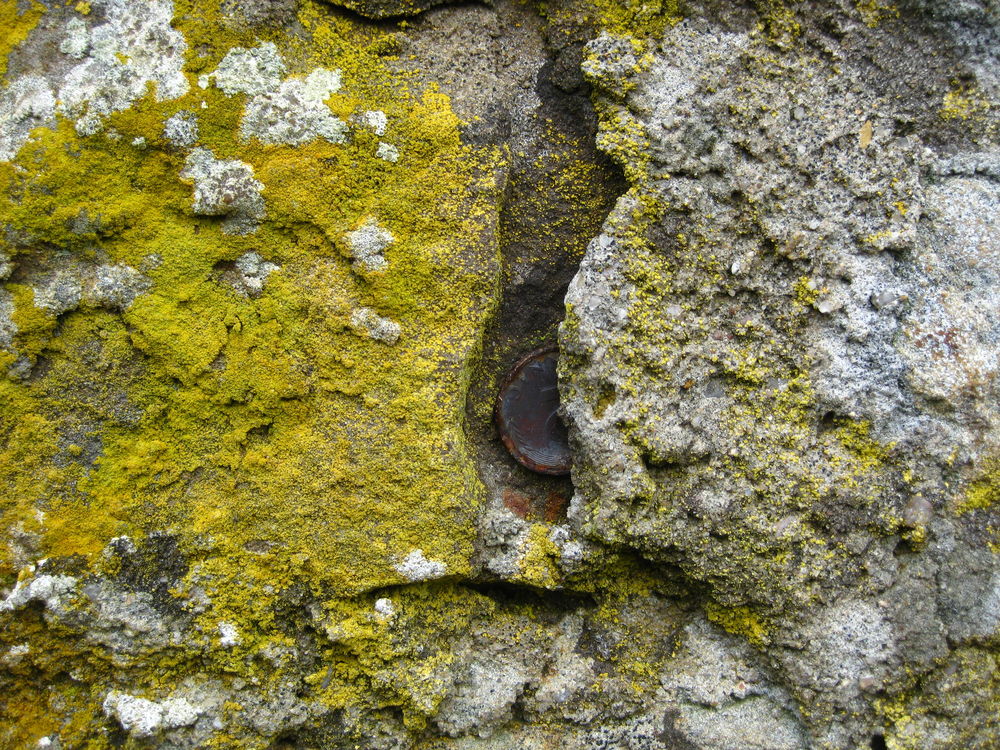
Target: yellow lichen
[
  {"x": 806, "y": 292},
  {"x": 269, "y": 419},
  {"x": 639, "y": 19},
  {"x": 778, "y": 19},
  {"x": 983, "y": 493},
  {"x": 874, "y": 12},
  {"x": 962, "y": 103},
  {"x": 539, "y": 559},
  {"x": 17, "y": 19},
  {"x": 739, "y": 621}
]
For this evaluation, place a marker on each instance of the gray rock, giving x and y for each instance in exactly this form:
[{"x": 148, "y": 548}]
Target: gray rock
[
  {"x": 779, "y": 366},
  {"x": 783, "y": 349}
]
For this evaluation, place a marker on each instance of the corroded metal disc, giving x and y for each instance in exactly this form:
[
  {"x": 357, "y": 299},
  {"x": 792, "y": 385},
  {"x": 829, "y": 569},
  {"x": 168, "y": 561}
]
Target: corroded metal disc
[{"x": 527, "y": 414}]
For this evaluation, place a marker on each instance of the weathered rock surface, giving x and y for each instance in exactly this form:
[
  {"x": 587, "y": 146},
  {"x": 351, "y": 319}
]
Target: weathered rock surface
[
  {"x": 264, "y": 262},
  {"x": 780, "y": 361}
]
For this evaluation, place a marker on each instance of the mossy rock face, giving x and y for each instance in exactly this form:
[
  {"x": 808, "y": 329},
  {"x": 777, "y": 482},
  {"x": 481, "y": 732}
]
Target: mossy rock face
[{"x": 295, "y": 324}]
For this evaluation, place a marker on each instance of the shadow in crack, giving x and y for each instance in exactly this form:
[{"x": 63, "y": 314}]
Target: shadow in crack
[{"x": 559, "y": 190}]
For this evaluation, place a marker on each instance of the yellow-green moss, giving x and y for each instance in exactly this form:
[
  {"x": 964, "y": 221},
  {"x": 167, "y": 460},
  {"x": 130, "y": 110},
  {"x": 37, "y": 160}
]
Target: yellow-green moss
[{"x": 269, "y": 419}]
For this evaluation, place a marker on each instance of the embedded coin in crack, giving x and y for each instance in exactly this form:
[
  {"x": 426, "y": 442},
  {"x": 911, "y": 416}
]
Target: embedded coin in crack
[{"x": 527, "y": 414}]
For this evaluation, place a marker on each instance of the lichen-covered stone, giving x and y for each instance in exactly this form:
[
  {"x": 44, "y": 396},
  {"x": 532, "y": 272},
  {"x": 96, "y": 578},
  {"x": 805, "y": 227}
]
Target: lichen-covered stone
[
  {"x": 264, "y": 262},
  {"x": 387, "y": 8},
  {"x": 780, "y": 357}
]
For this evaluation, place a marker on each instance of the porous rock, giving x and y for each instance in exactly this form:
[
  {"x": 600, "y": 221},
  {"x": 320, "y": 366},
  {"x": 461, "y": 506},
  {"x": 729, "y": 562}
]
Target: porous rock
[{"x": 782, "y": 350}]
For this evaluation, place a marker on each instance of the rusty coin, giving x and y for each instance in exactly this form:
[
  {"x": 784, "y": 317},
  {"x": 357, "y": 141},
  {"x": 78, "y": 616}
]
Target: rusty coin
[{"x": 527, "y": 414}]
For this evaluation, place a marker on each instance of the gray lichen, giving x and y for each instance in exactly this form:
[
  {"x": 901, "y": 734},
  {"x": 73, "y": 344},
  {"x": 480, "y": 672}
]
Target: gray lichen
[
  {"x": 227, "y": 188},
  {"x": 366, "y": 320}
]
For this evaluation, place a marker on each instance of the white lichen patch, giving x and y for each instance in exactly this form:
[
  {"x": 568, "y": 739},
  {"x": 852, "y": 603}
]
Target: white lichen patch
[
  {"x": 367, "y": 245},
  {"x": 375, "y": 119},
  {"x": 134, "y": 47},
  {"x": 59, "y": 293},
  {"x": 15, "y": 654},
  {"x": 225, "y": 188},
  {"x": 366, "y": 320},
  {"x": 27, "y": 103},
  {"x": 77, "y": 40},
  {"x": 111, "y": 286},
  {"x": 248, "y": 71},
  {"x": 7, "y": 325},
  {"x": 385, "y": 609},
  {"x": 252, "y": 271},
  {"x": 117, "y": 286},
  {"x": 181, "y": 130},
  {"x": 52, "y": 591},
  {"x": 144, "y": 718},
  {"x": 296, "y": 112},
  {"x": 416, "y": 567},
  {"x": 387, "y": 152},
  {"x": 229, "y": 636}
]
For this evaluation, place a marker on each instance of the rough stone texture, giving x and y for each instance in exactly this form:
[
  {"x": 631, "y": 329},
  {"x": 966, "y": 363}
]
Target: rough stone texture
[
  {"x": 264, "y": 263},
  {"x": 780, "y": 362}
]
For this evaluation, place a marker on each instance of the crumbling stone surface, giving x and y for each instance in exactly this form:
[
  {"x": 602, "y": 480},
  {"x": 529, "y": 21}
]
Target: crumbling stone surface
[{"x": 780, "y": 358}]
